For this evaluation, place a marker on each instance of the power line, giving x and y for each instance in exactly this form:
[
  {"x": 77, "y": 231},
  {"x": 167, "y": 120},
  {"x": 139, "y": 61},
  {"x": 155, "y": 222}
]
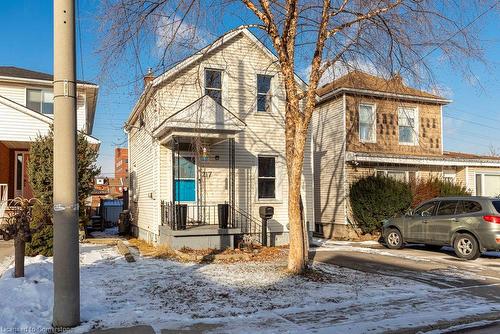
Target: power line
[
  {"x": 80, "y": 36},
  {"x": 461, "y": 111},
  {"x": 471, "y": 122},
  {"x": 453, "y": 35}
]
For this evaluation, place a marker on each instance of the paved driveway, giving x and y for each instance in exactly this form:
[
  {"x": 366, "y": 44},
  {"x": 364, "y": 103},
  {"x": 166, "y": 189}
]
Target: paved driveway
[{"x": 441, "y": 269}]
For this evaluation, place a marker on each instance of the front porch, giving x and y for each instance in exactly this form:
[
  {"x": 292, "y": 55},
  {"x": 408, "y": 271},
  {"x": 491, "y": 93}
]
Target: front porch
[{"x": 203, "y": 205}]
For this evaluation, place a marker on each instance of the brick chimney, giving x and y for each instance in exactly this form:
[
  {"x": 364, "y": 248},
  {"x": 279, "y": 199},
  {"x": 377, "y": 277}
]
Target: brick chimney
[{"x": 148, "y": 77}]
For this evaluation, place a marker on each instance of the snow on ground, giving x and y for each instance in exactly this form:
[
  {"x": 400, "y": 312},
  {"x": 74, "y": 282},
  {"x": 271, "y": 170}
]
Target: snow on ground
[
  {"x": 240, "y": 297},
  {"x": 374, "y": 247}
]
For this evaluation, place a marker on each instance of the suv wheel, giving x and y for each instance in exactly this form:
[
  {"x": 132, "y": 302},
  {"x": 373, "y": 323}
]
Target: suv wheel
[
  {"x": 466, "y": 247},
  {"x": 393, "y": 239}
]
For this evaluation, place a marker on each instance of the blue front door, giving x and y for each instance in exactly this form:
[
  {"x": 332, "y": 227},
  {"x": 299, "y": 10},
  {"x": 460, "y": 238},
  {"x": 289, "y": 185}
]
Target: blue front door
[{"x": 185, "y": 178}]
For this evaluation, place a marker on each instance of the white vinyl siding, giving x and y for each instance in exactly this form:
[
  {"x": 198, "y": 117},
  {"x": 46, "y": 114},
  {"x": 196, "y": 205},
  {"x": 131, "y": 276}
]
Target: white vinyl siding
[
  {"x": 240, "y": 60},
  {"x": 367, "y": 123},
  {"x": 408, "y": 126},
  {"x": 17, "y": 93},
  {"x": 329, "y": 162},
  {"x": 18, "y": 126}
]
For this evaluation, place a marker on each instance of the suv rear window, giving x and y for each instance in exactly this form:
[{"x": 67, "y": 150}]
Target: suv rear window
[
  {"x": 470, "y": 207},
  {"x": 496, "y": 204}
]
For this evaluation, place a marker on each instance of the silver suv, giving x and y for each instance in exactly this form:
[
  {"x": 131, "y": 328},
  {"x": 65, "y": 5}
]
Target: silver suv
[{"x": 470, "y": 224}]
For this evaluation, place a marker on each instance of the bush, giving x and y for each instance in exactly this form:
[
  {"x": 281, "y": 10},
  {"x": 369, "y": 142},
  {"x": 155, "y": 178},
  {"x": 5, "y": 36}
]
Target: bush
[
  {"x": 41, "y": 240},
  {"x": 40, "y": 171},
  {"x": 376, "y": 198},
  {"x": 425, "y": 189}
]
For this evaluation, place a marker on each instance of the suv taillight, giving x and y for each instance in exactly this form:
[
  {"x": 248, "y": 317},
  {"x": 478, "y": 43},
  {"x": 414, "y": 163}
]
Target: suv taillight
[{"x": 492, "y": 219}]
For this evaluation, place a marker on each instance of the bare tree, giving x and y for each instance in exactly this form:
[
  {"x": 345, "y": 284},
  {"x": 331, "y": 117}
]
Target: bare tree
[{"x": 327, "y": 37}]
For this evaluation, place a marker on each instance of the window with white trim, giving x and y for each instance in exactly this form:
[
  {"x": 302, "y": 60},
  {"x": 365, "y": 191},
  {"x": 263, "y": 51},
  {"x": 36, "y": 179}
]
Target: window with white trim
[
  {"x": 266, "y": 184},
  {"x": 40, "y": 100},
  {"x": 401, "y": 175},
  {"x": 367, "y": 124},
  {"x": 213, "y": 84},
  {"x": 449, "y": 176},
  {"x": 263, "y": 92},
  {"x": 408, "y": 125}
]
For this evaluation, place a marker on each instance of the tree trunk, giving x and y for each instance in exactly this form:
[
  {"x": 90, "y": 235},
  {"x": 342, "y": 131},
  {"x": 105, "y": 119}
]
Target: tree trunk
[
  {"x": 298, "y": 253},
  {"x": 19, "y": 250}
]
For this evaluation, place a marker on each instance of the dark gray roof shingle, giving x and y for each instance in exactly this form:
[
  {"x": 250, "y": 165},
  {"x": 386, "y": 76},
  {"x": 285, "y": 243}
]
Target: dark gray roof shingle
[{"x": 17, "y": 72}]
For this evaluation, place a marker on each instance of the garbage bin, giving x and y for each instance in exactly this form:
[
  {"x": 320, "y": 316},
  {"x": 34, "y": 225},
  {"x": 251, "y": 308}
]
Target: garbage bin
[
  {"x": 223, "y": 210},
  {"x": 124, "y": 223},
  {"x": 180, "y": 216}
]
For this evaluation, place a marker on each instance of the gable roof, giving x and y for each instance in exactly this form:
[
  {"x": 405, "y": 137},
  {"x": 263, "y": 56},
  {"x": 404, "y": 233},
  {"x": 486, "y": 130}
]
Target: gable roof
[
  {"x": 366, "y": 84},
  {"x": 23, "y": 73},
  {"x": 41, "y": 117},
  {"x": 151, "y": 87},
  {"x": 204, "y": 114}
]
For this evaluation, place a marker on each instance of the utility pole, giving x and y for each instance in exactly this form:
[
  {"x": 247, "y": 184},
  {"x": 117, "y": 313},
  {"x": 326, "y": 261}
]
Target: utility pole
[{"x": 66, "y": 247}]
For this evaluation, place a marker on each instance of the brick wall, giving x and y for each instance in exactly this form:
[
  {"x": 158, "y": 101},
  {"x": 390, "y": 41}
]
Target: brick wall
[{"x": 4, "y": 163}]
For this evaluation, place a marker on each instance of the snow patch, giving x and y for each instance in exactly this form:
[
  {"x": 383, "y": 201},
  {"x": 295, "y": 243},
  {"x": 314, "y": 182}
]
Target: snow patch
[{"x": 237, "y": 298}]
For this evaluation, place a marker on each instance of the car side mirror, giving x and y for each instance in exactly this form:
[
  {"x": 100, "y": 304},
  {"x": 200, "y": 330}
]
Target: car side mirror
[{"x": 409, "y": 212}]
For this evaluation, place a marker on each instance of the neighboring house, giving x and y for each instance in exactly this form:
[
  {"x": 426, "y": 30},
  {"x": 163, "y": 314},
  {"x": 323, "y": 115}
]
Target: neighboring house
[
  {"x": 121, "y": 164},
  {"x": 210, "y": 131},
  {"x": 366, "y": 125},
  {"x": 26, "y": 111}
]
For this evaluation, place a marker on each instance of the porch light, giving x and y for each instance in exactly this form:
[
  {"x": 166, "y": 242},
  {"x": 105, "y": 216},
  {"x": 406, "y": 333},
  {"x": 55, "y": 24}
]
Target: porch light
[{"x": 204, "y": 154}]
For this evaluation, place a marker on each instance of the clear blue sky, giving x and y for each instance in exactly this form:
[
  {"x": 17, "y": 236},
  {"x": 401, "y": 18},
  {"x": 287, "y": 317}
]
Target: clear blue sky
[{"x": 471, "y": 121}]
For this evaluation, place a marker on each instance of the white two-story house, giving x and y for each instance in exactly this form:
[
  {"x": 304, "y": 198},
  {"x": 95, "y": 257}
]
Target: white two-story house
[
  {"x": 207, "y": 148},
  {"x": 26, "y": 111}
]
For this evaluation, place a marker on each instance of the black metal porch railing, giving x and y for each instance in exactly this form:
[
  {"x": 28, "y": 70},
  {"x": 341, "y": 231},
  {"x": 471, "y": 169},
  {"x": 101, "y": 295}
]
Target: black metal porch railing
[
  {"x": 183, "y": 216},
  {"x": 249, "y": 225}
]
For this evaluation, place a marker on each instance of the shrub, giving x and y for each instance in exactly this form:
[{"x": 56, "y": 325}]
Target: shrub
[
  {"x": 425, "y": 189},
  {"x": 40, "y": 171},
  {"x": 375, "y": 198}
]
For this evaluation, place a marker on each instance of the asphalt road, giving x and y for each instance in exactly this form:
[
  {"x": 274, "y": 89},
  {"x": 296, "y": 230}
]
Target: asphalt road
[{"x": 441, "y": 269}]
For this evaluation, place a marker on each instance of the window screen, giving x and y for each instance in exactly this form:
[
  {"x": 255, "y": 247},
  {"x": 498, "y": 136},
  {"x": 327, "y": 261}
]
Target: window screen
[
  {"x": 407, "y": 122},
  {"x": 366, "y": 123}
]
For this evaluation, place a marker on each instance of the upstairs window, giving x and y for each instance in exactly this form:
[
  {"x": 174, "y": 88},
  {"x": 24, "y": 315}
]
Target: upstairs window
[
  {"x": 41, "y": 101},
  {"x": 263, "y": 92},
  {"x": 408, "y": 126},
  {"x": 367, "y": 123},
  {"x": 213, "y": 84},
  {"x": 266, "y": 177}
]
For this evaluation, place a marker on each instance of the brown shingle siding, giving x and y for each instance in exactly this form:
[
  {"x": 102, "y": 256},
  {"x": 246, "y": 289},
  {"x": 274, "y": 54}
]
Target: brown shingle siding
[{"x": 387, "y": 128}]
